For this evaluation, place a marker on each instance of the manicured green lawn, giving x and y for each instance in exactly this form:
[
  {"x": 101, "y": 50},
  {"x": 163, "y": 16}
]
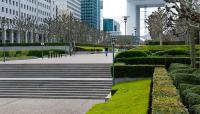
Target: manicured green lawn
[{"x": 130, "y": 98}]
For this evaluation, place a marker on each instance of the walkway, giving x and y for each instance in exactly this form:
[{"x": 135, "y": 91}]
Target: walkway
[
  {"x": 78, "y": 58},
  {"x": 53, "y": 106},
  {"x": 46, "y": 106}
]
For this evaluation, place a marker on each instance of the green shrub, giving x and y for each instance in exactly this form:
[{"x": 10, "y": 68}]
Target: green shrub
[
  {"x": 191, "y": 96},
  {"x": 184, "y": 78},
  {"x": 166, "y": 43},
  {"x": 134, "y": 71},
  {"x": 176, "y": 66},
  {"x": 192, "y": 99},
  {"x": 89, "y": 48},
  {"x": 154, "y": 60},
  {"x": 12, "y": 53},
  {"x": 184, "y": 86},
  {"x": 154, "y": 49},
  {"x": 195, "y": 109},
  {"x": 165, "y": 98},
  {"x": 35, "y": 53},
  {"x": 131, "y": 53},
  {"x": 172, "y": 52},
  {"x": 186, "y": 71}
]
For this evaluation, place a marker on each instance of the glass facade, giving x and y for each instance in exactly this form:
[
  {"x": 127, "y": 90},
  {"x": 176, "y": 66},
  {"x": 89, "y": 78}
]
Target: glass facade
[
  {"x": 69, "y": 6},
  {"x": 90, "y": 12},
  {"x": 111, "y": 26}
]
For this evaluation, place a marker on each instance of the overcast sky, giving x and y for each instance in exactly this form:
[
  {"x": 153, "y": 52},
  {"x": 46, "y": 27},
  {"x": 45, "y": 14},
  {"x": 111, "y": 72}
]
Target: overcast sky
[{"x": 117, "y": 8}]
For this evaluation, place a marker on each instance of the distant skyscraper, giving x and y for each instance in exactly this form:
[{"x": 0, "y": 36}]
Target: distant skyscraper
[
  {"x": 90, "y": 12},
  {"x": 111, "y": 26},
  {"x": 101, "y": 15},
  {"x": 69, "y": 6}
]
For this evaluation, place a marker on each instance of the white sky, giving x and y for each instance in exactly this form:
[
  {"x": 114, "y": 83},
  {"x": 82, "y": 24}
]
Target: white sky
[{"x": 115, "y": 9}]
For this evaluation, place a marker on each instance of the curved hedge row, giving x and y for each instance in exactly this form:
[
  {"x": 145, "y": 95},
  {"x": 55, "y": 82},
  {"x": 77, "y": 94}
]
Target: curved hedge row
[
  {"x": 188, "y": 82},
  {"x": 36, "y": 53},
  {"x": 131, "y": 53},
  {"x": 172, "y": 52}
]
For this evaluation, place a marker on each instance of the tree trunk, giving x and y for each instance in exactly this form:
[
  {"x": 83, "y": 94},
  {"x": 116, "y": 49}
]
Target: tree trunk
[
  {"x": 193, "y": 52},
  {"x": 161, "y": 40}
]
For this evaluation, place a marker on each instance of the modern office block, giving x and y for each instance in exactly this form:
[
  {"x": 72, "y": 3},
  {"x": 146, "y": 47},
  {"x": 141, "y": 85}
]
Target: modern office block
[
  {"x": 111, "y": 26},
  {"x": 35, "y": 10},
  {"x": 90, "y": 12},
  {"x": 69, "y": 6}
]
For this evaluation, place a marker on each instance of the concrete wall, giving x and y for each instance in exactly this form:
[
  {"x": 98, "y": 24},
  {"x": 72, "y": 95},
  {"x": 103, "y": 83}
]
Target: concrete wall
[{"x": 133, "y": 10}]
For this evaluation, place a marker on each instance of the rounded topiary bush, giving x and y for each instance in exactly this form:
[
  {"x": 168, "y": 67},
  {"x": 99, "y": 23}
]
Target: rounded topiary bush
[
  {"x": 172, "y": 52},
  {"x": 195, "y": 109},
  {"x": 176, "y": 66},
  {"x": 131, "y": 53}
]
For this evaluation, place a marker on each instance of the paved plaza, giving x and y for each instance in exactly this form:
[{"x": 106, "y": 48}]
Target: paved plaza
[
  {"x": 74, "y": 59},
  {"x": 53, "y": 106},
  {"x": 46, "y": 106}
]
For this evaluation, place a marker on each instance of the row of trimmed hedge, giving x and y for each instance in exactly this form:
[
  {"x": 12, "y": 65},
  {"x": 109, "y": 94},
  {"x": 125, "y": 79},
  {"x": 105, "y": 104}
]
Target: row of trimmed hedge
[
  {"x": 144, "y": 53},
  {"x": 187, "y": 80},
  {"x": 154, "y": 49},
  {"x": 79, "y": 48},
  {"x": 165, "y": 43},
  {"x": 165, "y": 97},
  {"x": 36, "y": 53},
  {"x": 50, "y": 44},
  {"x": 153, "y": 60},
  {"x": 134, "y": 71}
]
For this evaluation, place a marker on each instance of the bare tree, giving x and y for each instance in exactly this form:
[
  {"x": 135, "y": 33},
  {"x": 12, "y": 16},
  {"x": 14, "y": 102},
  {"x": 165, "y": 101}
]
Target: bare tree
[{"x": 189, "y": 11}]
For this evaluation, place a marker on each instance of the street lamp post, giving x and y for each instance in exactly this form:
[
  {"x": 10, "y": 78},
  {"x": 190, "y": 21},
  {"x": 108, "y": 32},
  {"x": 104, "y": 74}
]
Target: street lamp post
[
  {"x": 4, "y": 23},
  {"x": 42, "y": 44},
  {"x": 125, "y": 21},
  {"x": 113, "y": 64}
]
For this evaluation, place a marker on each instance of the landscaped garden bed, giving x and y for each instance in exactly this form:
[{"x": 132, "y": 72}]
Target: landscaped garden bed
[
  {"x": 130, "y": 98},
  {"x": 176, "y": 91}
]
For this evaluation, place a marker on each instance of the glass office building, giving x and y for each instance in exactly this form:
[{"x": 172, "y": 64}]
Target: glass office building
[
  {"x": 69, "y": 6},
  {"x": 111, "y": 26},
  {"x": 90, "y": 12}
]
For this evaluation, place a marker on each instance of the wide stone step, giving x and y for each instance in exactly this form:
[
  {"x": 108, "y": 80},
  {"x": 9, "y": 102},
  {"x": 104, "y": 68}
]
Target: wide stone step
[
  {"x": 82, "y": 81},
  {"x": 53, "y": 86},
  {"x": 57, "y": 81},
  {"x": 49, "y": 84},
  {"x": 55, "y": 89},
  {"x": 54, "y": 97},
  {"x": 51, "y": 91},
  {"x": 56, "y": 94}
]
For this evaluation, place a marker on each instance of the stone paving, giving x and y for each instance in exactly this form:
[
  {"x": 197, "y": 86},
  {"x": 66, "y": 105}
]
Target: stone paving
[
  {"x": 46, "y": 106},
  {"x": 53, "y": 106},
  {"x": 78, "y": 58}
]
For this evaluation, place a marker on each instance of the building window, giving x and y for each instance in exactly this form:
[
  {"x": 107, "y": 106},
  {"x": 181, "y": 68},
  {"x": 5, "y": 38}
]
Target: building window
[{"x": 2, "y": 9}]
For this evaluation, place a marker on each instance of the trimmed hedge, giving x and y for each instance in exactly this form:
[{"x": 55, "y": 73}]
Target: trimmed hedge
[
  {"x": 89, "y": 48},
  {"x": 188, "y": 83},
  {"x": 165, "y": 98},
  {"x": 36, "y": 53},
  {"x": 51, "y": 44},
  {"x": 131, "y": 53},
  {"x": 154, "y": 60},
  {"x": 173, "y": 52},
  {"x": 134, "y": 71},
  {"x": 191, "y": 96},
  {"x": 185, "y": 78},
  {"x": 165, "y": 43},
  {"x": 195, "y": 109},
  {"x": 154, "y": 49}
]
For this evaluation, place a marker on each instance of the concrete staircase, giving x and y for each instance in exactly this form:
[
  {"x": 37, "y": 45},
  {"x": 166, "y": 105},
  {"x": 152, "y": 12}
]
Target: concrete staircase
[{"x": 65, "y": 81}]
